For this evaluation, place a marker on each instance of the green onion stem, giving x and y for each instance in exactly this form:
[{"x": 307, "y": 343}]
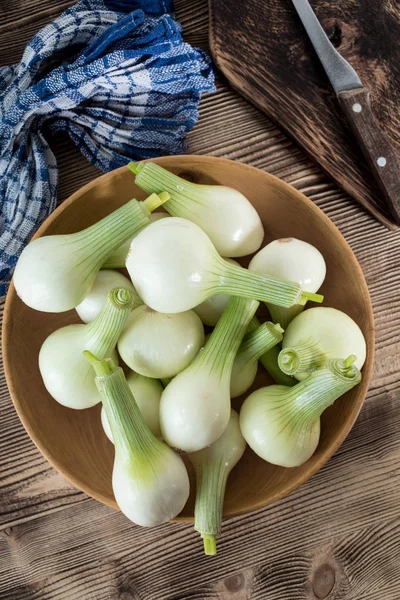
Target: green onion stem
[
  {"x": 101, "y": 367},
  {"x": 135, "y": 167},
  {"x": 306, "y": 296},
  {"x": 184, "y": 194},
  {"x": 283, "y": 315},
  {"x": 210, "y": 491},
  {"x": 112, "y": 231},
  {"x": 154, "y": 200},
  {"x": 237, "y": 281},
  {"x": 260, "y": 340},
  {"x": 133, "y": 439},
  {"x": 350, "y": 360},
  {"x": 301, "y": 358},
  {"x": 311, "y": 397},
  {"x": 210, "y": 544},
  {"x": 224, "y": 342},
  {"x": 103, "y": 332},
  {"x": 116, "y": 259},
  {"x": 269, "y": 361}
]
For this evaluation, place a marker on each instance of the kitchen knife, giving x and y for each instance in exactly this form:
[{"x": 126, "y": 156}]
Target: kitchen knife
[{"x": 354, "y": 100}]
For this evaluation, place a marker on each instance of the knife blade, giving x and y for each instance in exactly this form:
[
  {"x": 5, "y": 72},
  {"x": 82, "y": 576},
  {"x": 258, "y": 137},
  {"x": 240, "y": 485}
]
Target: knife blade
[{"x": 354, "y": 100}]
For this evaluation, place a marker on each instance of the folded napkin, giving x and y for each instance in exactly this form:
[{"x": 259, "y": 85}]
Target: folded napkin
[{"x": 124, "y": 86}]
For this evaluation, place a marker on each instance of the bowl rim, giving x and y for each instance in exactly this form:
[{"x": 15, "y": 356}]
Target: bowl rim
[{"x": 304, "y": 475}]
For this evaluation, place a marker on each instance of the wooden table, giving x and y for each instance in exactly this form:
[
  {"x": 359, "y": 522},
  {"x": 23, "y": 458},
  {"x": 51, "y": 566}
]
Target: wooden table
[{"x": 338, "y": 537}]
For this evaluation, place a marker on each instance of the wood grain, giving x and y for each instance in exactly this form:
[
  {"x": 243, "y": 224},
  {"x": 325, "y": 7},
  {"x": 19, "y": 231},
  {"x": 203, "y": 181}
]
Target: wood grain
[
  {"x": 342, "y": 526},
  {"x": 264, "y": 52}
]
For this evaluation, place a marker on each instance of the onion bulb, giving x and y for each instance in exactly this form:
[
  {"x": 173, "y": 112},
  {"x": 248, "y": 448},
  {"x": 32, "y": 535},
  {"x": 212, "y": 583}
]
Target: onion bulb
[
  {"x": 282, "y": 424},
  {"x": 55, "y": 272},
  {"x": 149, "y": 480},
  {"x": 160, "y": 345},
  {"x": 224, "y": 214},
  {"x": 174, "y": 267},
  {"x": 67, "y": 375},
  {"x": 94, "y": 300},
  {"x": 196, "y": 405},
  {"x": 317, "y": 335},
  {"x": 292, "y": 260}
]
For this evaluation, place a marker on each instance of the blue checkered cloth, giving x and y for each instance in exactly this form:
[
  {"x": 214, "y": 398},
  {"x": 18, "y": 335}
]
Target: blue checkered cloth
[{"x": 123, "y": 85}]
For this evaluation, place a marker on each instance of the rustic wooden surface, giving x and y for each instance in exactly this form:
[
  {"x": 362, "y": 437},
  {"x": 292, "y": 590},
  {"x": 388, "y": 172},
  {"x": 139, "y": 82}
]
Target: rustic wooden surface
[
  {"x": 336, "y": 538},
  {"x": 263, "y": 50}
]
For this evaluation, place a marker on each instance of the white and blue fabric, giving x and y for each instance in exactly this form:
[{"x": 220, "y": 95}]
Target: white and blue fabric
[{"x": 117, "y": 76}]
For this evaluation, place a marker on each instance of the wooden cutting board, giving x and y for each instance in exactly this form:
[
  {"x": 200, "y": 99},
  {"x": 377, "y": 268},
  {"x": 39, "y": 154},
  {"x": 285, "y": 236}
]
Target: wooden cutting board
[{"x": 263, "y": 50}]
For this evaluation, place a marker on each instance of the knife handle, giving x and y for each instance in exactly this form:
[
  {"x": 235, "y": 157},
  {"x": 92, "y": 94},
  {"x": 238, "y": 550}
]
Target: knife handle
[{"x": 377, "y": 149}]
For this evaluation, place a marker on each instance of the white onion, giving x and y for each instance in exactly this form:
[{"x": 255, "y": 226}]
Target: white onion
[
  {"x": 282, "y": 424},
  {"x": 55, "y": 272},
  {"x": 174, "y": 267},
  {"x": 213, "y": 465},
  {"x": 67, "y": 375},
  {"x": 317, "y": 335},
  {"x": 292, "y": 260},
  {"x": 94, "y": 300},
  {"x": 195, "y": 406},
  {"x": 224, "y": 214},
  {"x": 160, "y": 345},
  {"x": 150, "y": 481}
]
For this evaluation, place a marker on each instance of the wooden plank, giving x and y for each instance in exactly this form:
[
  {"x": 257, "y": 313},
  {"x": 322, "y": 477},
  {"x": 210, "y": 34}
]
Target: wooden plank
[
  {"x": 15, "y": 33},
  {"x": 341, "y": 529},
  {"x": 28, "y": 484},
  {"x": 264, "y": 52},
  {"x": 239, "y": 132},
  {"x": 14, "y": 12},
  {"x": 42, "y": 489}
]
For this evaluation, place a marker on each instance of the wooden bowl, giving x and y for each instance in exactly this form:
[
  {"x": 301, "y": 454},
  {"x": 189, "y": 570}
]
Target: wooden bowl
[{"x": 73, "y": 441}]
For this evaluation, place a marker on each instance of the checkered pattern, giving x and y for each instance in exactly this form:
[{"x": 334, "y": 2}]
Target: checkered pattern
[{"x": 123, "y": 84}]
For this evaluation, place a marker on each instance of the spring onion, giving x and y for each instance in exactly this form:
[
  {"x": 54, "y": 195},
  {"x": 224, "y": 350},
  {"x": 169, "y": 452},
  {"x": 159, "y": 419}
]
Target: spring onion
[
  {"x": 66, "y": 374},
  {"x": 212, "y": 466},
  {"x": 269, "y": 360},
  {"x": 282, "y": 425},
  {"x": 160, "y": 345},
  {"x": 94, "y": 300},
  {"x": 55, "y": 272},
  {"x": 292, "y": 260},
  {"x": 117, "y": 258},
  {"x": 195, "y": 406},
  {"x": 253, "y": 346},
  {"x": 224, "y": 214},
  {"x": 211, "y": 309},
  {"x": 150, "y": 481},
  {"x": 147, "y": 393},
  {"x": 316, "y": 336},
  {"x": 174, "y": 267}
]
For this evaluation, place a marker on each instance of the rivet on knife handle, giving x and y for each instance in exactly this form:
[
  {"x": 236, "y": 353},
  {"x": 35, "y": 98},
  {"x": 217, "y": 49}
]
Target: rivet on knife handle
[{"x": 377, "y": 149}]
